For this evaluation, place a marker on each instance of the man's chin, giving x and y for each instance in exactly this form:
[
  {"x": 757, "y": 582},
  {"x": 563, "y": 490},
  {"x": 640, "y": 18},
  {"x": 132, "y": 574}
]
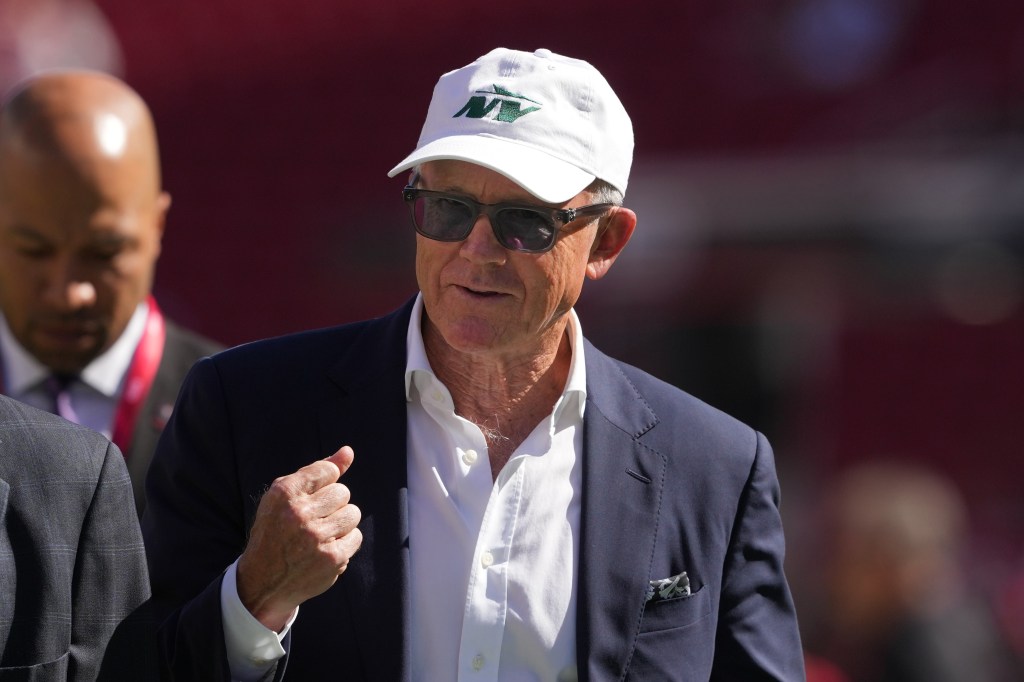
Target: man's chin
[{"x": 67, "y": 356}]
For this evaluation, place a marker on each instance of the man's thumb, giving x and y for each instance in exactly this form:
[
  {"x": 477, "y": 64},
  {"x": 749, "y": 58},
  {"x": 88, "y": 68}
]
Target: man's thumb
[{"x": 343, "y": 458}]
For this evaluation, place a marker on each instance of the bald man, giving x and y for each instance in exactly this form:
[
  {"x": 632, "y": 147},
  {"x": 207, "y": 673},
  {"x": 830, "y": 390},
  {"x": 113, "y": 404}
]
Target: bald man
[{"x": 82, "y": 214}]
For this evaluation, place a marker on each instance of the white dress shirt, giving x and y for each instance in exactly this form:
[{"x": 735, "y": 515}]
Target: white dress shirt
[
  {"x": 95, "y": 395},
  {"x": 494, "y": 563}
]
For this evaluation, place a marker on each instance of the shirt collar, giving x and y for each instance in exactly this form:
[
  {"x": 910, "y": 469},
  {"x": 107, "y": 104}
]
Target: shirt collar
[
  {"x": 22, "y": 371},
  {"x": 575, "y": 385}
]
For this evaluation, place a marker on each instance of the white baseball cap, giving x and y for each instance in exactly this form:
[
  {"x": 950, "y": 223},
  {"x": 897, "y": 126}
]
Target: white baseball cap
[{"x": 549, "y": 123}]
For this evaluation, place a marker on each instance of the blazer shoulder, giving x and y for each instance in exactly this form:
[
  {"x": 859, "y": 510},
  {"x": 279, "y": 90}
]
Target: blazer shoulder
[
  {"x": 662, "y": 398},
  {"x": 16, "y": 416},
  {"x": 187, "y": 343},
  {"x": 665, "y": 414},
  {"x": 40, "y": 444},
  {"x": 14, "y": 413},
  {"x": 317, "y": 350}
]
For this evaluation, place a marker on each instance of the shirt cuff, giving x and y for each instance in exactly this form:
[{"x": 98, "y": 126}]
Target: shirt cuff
[{"x": 252, "y": 648}]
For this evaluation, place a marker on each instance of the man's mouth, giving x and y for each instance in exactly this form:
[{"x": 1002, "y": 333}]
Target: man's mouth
[
  {"x": 480, "y": 293},
  {"x": 67, "y": 332}
]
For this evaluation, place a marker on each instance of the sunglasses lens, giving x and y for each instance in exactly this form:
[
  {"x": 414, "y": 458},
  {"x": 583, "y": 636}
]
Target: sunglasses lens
[
  {"x": 522, "y": 229},
  {"x": 443, "y": 218},
  {"x": 450, "y": 219}
]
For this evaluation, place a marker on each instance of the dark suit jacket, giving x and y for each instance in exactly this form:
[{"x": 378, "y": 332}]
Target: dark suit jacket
[
  {"x": 72, "y": 564},
  {"x": 181, "y": 350},
  {"x": 670, "y": 485}
]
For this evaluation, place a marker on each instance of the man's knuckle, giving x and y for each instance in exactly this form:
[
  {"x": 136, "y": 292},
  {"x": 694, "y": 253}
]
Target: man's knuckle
[
  {"x": 284, "y": 488},
  {"x": 354, "y": 539}
]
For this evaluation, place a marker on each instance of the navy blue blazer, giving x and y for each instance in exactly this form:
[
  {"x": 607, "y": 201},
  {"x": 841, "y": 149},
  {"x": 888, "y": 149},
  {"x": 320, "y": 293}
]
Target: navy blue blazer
[{"x": 670, "y": 485}]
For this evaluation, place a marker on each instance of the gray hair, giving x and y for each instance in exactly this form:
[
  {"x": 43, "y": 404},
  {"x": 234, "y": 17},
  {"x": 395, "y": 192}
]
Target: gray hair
[{"x": 604, "y": 193}]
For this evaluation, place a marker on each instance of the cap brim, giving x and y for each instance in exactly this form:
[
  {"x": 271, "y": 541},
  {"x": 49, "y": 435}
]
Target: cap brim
[{"x": 548, "y": 178}]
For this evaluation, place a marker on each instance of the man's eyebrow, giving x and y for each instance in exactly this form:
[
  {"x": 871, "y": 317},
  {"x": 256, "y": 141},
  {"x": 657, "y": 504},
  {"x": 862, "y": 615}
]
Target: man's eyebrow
[
  {"x": 109, "y": 237},
  {"x": 26, "y": 232},
  {"x": 101, "y": 238}
]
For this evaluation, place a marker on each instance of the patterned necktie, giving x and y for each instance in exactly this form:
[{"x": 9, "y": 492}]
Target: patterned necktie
[{"x": 59, "y": 387}]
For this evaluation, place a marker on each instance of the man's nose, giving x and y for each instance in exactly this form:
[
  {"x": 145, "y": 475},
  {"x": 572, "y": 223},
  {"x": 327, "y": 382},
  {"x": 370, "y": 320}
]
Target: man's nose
[
  {"x": 481, "y": 245},
  {"x": 67, "y": 290}
]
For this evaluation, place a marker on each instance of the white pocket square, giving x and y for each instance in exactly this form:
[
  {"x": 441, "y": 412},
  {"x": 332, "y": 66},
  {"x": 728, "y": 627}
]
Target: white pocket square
[{"x": 669, "y": 588}]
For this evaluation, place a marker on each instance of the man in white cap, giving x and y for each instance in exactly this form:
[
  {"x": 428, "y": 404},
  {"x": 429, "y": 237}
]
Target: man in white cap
[{"x": 528, "y": 508}]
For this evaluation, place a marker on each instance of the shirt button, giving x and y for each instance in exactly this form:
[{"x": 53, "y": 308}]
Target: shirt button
[
  {"x": 437, "y": 397},
  {"x": 469, "y": 457},
  {"x": 486, "y": 559},
  {"x": 478, "y": 662}
]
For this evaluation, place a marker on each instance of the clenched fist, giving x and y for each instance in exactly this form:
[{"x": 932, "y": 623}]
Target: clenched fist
[{"x": 301, "y": 540}]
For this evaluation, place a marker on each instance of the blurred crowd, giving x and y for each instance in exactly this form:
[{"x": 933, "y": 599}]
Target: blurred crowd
[{"x": 891, "y": 591}]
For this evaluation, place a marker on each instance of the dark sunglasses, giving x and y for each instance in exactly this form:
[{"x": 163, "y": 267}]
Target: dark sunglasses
[{"x": 518, "y": 227}]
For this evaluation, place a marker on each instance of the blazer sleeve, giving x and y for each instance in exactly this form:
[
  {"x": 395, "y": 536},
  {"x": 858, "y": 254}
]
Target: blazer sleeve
[
  {"x": 757, "y": 636},
  {"x": 195, "y": 511},
  {"x": 110, "y": 572}
]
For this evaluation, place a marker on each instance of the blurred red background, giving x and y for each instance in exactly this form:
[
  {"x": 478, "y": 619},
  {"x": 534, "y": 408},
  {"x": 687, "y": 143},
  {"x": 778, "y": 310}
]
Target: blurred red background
[{"x": 830, "y": 193}]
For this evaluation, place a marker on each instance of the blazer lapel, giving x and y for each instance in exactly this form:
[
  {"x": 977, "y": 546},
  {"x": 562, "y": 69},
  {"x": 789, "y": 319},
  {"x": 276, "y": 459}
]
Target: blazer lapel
[
  {"x": 367, "y": 410},
  {"x": 622, "y": 489}
]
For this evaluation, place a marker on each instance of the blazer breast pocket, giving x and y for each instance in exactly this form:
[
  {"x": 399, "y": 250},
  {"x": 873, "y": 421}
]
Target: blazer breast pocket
[
  {"x": 51, "y": 671},
  {"x": 679, "y": 612}
]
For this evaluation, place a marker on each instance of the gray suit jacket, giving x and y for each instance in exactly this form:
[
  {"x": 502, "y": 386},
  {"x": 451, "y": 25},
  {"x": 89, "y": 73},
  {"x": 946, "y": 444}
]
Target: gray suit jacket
[{"x": 72, "y": 565}]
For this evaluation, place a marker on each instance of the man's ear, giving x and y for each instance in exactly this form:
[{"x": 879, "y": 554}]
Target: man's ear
[
  {"x": 613, "y": 233},
  {"x": 163, "y": 204}
]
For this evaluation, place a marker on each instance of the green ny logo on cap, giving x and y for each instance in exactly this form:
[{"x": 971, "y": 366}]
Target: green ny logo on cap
[{"x": 509, "y": 111}]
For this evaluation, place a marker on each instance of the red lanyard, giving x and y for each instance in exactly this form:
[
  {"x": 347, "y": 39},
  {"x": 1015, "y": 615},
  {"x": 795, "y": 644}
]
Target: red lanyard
[{"x": 140, "y": 376}]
